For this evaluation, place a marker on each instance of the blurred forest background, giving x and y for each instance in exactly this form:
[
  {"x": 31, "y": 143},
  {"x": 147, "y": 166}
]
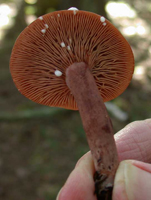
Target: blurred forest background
[{"x": 39, "y": 146}]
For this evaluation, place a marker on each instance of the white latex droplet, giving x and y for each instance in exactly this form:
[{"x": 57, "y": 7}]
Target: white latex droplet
[{"x": 58, "y": 73}]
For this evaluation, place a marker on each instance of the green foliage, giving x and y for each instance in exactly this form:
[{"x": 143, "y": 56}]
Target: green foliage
[{"x": 30, "y": 10}]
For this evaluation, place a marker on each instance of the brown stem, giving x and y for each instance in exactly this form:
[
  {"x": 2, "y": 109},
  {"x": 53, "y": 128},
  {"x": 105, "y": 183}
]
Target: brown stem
[{"x": 97, "y": 126}]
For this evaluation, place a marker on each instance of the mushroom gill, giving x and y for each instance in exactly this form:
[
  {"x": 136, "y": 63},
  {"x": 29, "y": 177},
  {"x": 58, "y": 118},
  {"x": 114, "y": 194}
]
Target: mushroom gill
[{"x": 57, "y": 40}]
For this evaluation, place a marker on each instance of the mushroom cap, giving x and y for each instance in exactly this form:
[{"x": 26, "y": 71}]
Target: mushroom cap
[{"x": 53, "y": 42}]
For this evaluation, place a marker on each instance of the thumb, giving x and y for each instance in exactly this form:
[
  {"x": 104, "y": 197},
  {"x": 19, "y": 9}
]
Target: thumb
[
  {"x": 132, "y": 181},
  {"x": 80, "y": 183}
]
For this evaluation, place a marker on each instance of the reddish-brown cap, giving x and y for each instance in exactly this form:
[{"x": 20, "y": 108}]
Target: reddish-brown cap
[{"x": 49, "y": 45}]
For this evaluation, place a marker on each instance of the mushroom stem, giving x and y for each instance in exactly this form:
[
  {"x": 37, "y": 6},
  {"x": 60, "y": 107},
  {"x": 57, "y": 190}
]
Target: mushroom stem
[{"x": 97, "y": 126}]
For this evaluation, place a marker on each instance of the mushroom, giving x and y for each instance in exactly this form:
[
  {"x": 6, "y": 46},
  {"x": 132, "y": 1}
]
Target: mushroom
[{"x": 77, "y": 60}]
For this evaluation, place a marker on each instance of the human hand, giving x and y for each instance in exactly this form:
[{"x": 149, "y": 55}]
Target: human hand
[{"x": 133, "y": 177}]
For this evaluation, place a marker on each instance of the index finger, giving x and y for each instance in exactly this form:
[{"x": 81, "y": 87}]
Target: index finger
[{"x": 134, "y": 141}]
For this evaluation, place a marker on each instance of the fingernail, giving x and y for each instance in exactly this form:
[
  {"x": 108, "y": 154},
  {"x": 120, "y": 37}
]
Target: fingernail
[{"x": 131, "y": 182}]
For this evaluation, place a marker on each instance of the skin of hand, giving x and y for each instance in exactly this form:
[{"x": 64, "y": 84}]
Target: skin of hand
[{"x": 133, "y": 177}]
